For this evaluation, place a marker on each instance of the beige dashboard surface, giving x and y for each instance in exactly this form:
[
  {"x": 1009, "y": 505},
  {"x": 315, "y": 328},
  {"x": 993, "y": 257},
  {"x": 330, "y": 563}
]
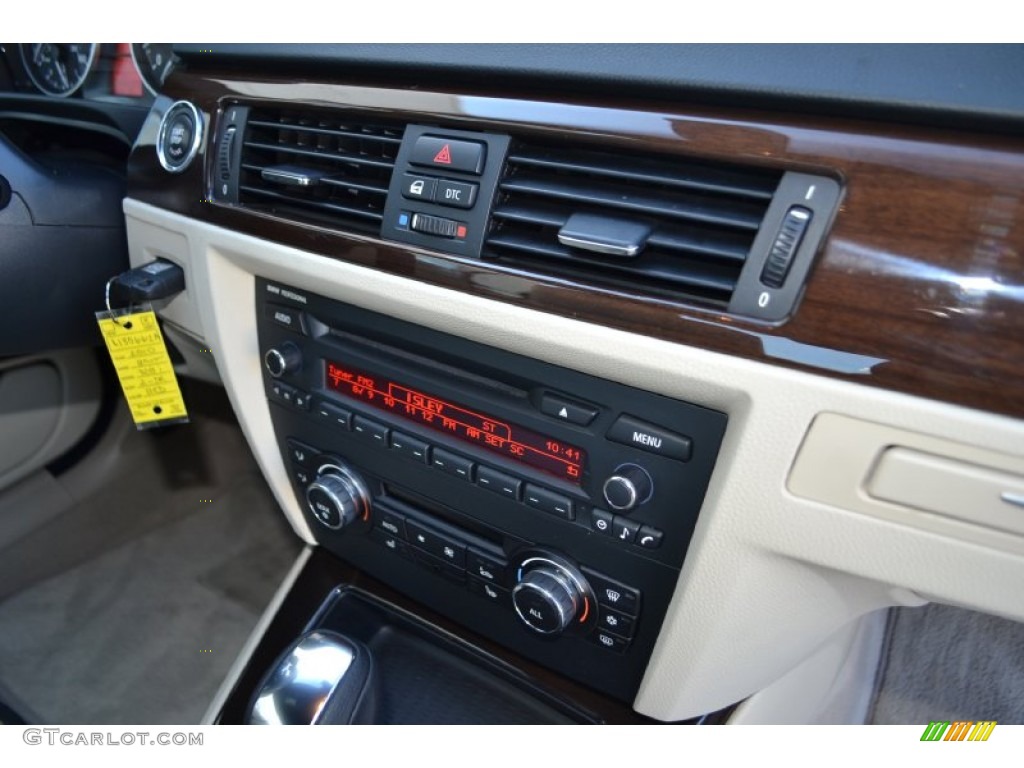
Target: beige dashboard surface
[{"x": 770, "y": 576}]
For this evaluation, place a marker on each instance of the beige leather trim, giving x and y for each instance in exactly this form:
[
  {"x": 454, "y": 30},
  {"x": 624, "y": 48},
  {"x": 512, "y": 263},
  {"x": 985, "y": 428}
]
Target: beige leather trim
[{"x": 770, "y": 577}]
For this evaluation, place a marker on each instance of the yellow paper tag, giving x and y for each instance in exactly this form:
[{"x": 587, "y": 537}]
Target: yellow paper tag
[{"x": 137, "y": 349}]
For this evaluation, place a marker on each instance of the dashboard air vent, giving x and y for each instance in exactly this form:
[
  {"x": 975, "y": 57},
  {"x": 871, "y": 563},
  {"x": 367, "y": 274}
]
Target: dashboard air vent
[
  {"x": 323, "y": 167},
  {"x": 660, "y": 225}
]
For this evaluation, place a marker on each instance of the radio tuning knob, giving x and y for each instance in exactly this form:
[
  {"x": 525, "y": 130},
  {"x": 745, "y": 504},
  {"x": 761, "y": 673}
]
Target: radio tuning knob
[
  {"x": 628, "y": 488},
  {"x": 338, "y": 496},
  {"x": 284, "y": 359}
]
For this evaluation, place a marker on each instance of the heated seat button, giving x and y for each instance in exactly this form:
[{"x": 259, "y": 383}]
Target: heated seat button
[
  {"x": 548, "y": 501},
  {"x": 645, "y": 436},
  {"x": 448, "y": 154},
  {"x": 390, "y": 542},
  {"x": 418, "y": 187},
  {"x": 493, "y": 480},
  {"x": 455, "y": 194}
]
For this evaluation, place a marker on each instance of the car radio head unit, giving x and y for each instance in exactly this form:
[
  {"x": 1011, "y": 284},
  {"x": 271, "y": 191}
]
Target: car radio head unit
[
  {"x": 516, "y": 443},
  {"x": 543, "y": 508}
]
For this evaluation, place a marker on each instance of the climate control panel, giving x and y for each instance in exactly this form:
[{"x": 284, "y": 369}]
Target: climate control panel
[{"x": 543, "y": 508}]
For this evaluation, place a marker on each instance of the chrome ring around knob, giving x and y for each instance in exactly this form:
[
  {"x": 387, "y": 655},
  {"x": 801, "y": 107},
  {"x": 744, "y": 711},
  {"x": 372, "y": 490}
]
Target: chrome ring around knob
[
  {"x": 346, "y": 492},
  {"x": 275, "y": 363},
  {"x": 561, "y": 595},
  {"x": 631, "y": 480}
]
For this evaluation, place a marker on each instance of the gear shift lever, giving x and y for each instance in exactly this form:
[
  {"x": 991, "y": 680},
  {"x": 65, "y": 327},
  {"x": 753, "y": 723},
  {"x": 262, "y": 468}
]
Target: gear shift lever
[{"x": 323, "y": 678}]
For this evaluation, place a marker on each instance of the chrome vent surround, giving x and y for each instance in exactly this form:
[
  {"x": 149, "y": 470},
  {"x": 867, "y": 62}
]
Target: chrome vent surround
[
  {"x": 702, "y": 218},
  {"x": 318, "y": 166}
]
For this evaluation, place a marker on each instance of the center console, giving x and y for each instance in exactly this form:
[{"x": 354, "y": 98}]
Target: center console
[{"x": 546, "y": 510}]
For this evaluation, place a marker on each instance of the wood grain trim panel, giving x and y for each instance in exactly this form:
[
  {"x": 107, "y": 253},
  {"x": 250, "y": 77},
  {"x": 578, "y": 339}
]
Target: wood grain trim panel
[{"x": 919, "y": 288}]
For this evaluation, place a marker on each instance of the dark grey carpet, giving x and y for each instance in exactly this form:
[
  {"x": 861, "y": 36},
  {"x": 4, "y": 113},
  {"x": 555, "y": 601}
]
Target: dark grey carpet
[
  {"x": 946, "y": 663},
  {"x": 145, "y": 632}
]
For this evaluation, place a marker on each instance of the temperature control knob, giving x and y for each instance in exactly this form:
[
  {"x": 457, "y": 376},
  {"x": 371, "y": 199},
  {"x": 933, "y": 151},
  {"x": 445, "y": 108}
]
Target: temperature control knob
[
  {"x": 284, "y": 359},
  {"x": 338, "y": 496},
  {"x": 547, "y": 600},
  {"x": 551, "y": 594},
  {"x": 628, "y": 488}
]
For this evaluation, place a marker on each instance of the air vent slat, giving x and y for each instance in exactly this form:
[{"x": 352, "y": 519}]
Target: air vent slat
[
  {"x": 670, "y": 205},
  {"x": 318, "y": 205},
  {"x": 657, "y": 268},
  {"x": 702, "y": 218},
  {"x": 755, "y": 186},
  {"x": 319, "y": 155},
  {"x": 726, "y": 245},
  {"x": 324, "y": 131},
  {"x": 348, "y": 161}
]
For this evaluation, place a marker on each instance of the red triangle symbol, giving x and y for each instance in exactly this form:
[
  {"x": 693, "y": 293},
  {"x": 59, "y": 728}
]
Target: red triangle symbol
[{"x": 444, "y": 156}]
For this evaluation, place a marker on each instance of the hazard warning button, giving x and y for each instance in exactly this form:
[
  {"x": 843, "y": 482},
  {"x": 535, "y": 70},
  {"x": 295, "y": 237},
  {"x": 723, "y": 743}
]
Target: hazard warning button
[{"x": 448, "y": 154}]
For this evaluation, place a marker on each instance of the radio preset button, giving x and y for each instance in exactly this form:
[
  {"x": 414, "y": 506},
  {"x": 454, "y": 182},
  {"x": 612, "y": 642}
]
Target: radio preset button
[
  {"x": 333, "y": 414},
  {"x": 410, "y": 447},
  {"x": 499, "y": 482},
  {"x": 645, "y": 436},
  {"x": 567, "y": 410},
  {"x": 372, "y": 431},
  {"x": 452, "y": 463},
  {"x": 548, "y": 501}
]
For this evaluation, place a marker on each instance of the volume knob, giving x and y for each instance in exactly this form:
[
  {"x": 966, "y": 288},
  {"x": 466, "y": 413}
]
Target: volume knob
[
  {"x": 338, "y": 497},
  {"x": 628, "y": 488},
  {"x": 284, "y": 359}
]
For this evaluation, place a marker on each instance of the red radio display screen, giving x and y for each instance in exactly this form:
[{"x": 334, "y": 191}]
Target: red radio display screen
[{"x": 513, "y": 442}]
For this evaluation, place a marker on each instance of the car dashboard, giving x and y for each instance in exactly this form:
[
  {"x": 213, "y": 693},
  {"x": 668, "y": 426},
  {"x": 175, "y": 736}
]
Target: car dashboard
[{"x": 663, "y": 384}]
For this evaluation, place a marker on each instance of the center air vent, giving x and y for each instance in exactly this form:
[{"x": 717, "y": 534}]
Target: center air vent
[
  {"x": 696, "y": 223},
  {"x": 664, "y": 226},
  {"x": 321, "y": 167}
]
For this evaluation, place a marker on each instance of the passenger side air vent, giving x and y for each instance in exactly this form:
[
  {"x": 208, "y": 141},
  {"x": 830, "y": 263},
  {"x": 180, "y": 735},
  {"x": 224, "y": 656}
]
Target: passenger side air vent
[
  {"x": 323, "y": 167},
  {"x": 663, "y": 226}
]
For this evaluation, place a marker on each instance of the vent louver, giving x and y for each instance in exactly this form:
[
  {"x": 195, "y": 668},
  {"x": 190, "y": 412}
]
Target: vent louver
[
  {"x": 702, "y": 219},
  {"x": 322, "y": 167}
]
